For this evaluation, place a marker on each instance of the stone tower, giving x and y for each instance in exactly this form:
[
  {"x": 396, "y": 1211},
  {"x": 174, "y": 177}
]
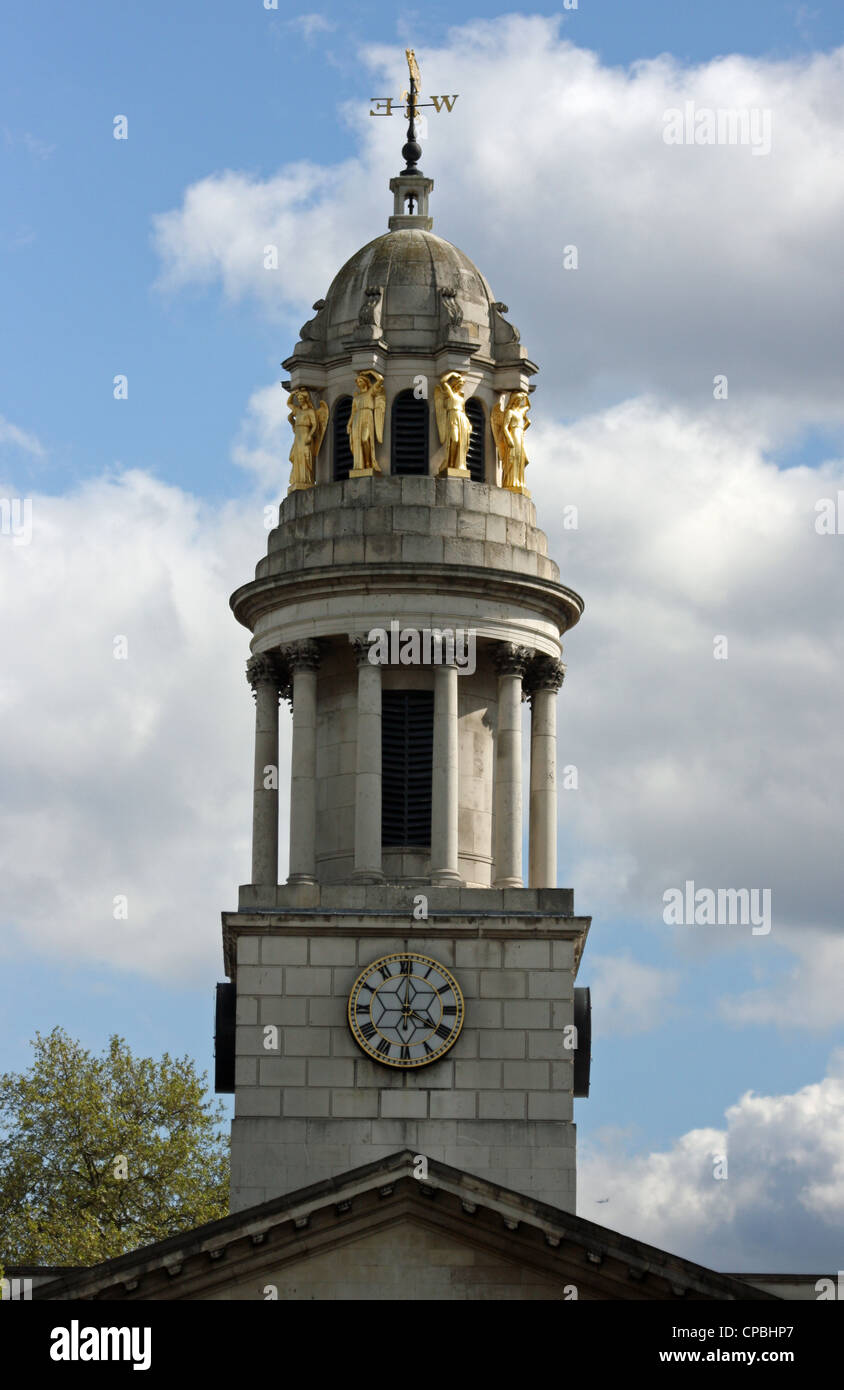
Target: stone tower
[{"x": 406, "y": 609}]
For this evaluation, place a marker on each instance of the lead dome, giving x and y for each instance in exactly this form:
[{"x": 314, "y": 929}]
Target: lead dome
[{"x": 412, "y": 291}]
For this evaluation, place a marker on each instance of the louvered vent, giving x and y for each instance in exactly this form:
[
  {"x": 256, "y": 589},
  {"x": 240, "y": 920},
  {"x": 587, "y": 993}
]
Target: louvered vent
[
  {"x": 475, "y": 458},
  {"x": 407, "y": 753},
  {"x": 343, "y": 460},
  {"x": 409, "y": 434}
]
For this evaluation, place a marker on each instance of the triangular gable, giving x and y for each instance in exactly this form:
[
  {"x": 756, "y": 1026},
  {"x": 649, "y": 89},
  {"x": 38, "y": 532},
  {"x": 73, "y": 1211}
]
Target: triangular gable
[{"x": 380, "y": 1232}]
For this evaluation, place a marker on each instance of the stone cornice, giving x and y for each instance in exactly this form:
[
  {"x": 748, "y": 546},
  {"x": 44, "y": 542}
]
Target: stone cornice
[
  {"x": 260, "y": 597},
  {"x": 493, "y": 922}
]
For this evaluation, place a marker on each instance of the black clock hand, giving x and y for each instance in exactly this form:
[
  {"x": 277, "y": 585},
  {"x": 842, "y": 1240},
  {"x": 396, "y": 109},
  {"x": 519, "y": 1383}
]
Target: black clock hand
[
  {"x": 430, "y": 1022},
  {"x": 406, "y": 1009}
]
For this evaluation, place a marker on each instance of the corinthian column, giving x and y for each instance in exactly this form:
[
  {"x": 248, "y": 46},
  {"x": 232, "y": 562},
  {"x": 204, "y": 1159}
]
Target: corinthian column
[
  {"x": 303, "y": 660},
  {"x": 368, "y": 766},
  {"x": 544, "y": 678},
  {"x": 265, "y": 674},
  {"x": 444, "y": 781},
  {"x": 511, "y": 662}
]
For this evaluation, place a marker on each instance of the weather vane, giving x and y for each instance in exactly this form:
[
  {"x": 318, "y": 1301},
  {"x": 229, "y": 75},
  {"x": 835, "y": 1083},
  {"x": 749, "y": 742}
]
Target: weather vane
[{"x": 412, "y": 151}]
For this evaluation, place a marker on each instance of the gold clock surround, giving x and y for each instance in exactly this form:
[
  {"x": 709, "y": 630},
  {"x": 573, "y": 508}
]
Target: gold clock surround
[{"x": 411, "y": 1015}]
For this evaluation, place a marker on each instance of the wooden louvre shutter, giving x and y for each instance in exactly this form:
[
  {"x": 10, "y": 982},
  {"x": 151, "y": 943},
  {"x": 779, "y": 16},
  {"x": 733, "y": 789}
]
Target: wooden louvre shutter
[
  {"x": 476, "y": 456},
  {"x": 407, "y": 755},
  {"x": 409, "y": 435},
  {"x": 342, "y": 448}
]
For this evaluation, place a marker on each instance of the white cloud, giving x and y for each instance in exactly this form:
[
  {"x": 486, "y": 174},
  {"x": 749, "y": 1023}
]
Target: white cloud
[
  {"x": 728, "y": 772},
  {"x": 805, "y": 995},
  {"x": 41, "y": 149},
  {"x": 33, "y": 144},
  {"x": 126, "y": 777},
  {"x": 263, "y": 443},
  {"x": 228, "y": 220},
  {"x": 633, "y": 997},
  {"x": 780, "y": 1208},
  {"x": 309, "y": 25},
  {"x": 20, "y": 439}
]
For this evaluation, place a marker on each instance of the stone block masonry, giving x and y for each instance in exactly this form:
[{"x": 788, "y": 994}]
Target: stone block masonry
[{"x": 310, "y": 1104}]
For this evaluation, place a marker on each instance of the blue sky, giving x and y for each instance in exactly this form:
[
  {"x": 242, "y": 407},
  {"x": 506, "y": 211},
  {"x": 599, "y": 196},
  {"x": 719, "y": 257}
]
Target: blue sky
[{"x": 91, "y": 289}]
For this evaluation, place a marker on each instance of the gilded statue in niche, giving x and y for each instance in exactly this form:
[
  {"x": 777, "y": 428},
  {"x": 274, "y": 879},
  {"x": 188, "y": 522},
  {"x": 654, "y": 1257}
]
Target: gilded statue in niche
[
  {"x": 453, "y": 423},
  {"x": 366, "y": 423},
  {"x": 509, "y": 423},
  {"x": 309, "y": 424}
]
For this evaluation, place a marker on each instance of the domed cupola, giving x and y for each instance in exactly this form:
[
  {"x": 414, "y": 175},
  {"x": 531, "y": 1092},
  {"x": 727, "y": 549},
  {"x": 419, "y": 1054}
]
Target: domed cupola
[{"x": 410, "y": 291}]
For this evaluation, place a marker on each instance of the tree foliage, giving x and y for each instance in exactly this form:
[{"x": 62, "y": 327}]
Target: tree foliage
[{"x": 100, "y": 1155}]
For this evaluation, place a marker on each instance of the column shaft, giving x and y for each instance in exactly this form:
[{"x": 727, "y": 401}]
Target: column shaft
[
  {"x": 543, "y": 679},
  {"x": 508, "y": 769},
  {"x": 265, "y": 684},
  {"x": 303, "y": 783},
  {"x": 543, "y": 789},
  {"x": 445, "y": 783}
]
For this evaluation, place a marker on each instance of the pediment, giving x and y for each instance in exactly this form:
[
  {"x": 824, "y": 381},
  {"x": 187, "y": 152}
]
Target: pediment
[{"x": 380, "y": 1232}]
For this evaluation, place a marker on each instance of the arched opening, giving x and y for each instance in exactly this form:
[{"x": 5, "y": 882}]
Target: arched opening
[
  {"x": 342, "y": 448},
  {"x": 476, "y": 455},
  {"x": 409, "y": 434}
]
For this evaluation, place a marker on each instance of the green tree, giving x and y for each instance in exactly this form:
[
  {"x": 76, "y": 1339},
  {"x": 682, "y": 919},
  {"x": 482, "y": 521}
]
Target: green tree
[{"x": 100, "y": 1155}]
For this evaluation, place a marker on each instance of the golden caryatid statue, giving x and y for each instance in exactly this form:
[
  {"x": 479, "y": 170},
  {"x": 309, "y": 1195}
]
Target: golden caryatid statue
[
  {"x": 309, "y": 424},
  {"x": 509, "y": 423},
  {"x": 453, "y": 424},
  {"x": 366, "y": 423}
]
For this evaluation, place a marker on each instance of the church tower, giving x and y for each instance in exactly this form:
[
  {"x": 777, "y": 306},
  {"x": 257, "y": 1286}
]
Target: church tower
[{"x": 412, "y": 983}]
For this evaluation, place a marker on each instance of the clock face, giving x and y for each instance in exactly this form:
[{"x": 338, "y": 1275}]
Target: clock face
[{"x": 406, "y": 1010}]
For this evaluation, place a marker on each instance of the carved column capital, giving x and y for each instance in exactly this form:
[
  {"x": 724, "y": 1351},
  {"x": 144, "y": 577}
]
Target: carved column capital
[
  {"x": 264, "y": 668},
  {"x": 302, "y": 656},
  {"x": 361, "y": 646},
  {"x": 544, "y": 673},
  {"x": 511, "y": 659}
]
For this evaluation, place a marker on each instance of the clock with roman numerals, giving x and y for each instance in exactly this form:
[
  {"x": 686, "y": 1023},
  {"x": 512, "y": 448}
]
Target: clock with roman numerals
[{"x": 406, "y": 1010}]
